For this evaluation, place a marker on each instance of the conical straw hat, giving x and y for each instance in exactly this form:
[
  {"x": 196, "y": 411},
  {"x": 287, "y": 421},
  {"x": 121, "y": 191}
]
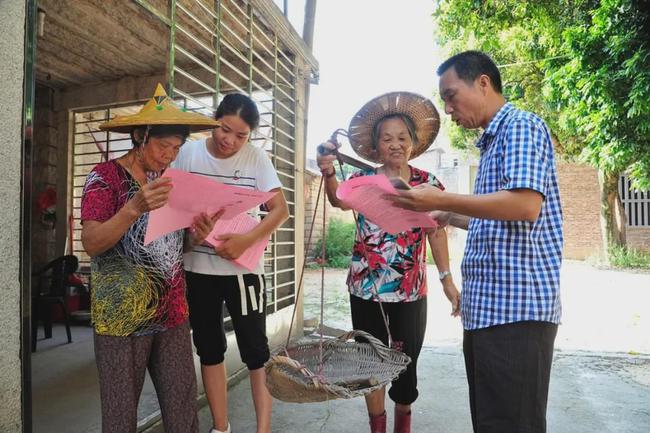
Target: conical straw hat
[
  {"x": 159, "y": 110},
  {"x": 420, "y": 109}
]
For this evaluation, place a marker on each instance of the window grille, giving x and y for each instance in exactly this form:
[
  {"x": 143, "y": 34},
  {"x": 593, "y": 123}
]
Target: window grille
[
  {"x": 636, "y": 203},
  {"x": 217, "y": 47}
]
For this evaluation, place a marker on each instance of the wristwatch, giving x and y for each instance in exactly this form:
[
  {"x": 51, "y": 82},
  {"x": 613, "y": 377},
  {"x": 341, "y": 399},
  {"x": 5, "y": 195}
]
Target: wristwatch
[{"x": 442, "y": 275}]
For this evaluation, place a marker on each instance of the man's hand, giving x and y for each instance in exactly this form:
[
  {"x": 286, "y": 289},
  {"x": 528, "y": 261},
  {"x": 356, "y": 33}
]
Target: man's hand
[
  {"x": 152, "y": 195},
  {"x": 422, "y": 198},
  {"x": 233, "y": 246},
  {"x": 202, "y": 226}
]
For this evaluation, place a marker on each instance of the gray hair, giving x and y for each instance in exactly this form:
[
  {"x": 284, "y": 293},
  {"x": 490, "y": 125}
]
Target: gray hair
[{"x": 410, "y": 126}]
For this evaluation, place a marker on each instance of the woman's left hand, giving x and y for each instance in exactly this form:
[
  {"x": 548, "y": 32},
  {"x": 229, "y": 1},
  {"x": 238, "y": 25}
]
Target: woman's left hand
[
  {"x": 233, "y": 246},
  {"x": 202, "y": 226},
  {"x": 452, "y": 293}
]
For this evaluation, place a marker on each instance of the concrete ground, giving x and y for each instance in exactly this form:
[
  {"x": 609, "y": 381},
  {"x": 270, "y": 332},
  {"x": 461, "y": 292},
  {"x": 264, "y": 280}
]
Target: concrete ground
[
  {"x": 600, "y": 379},
  {"x": 65, "y": 385},
  {"x": 588, "y": 393},
  {"x": 602, "y": 310}
]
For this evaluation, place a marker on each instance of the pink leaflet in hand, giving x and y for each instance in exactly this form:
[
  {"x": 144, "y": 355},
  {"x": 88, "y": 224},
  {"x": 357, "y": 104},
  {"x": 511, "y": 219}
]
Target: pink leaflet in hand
[
  {"x": 364, "y": 194},
  {"x": 241, "y": 224},
  {"x": 193, "y": 194}
]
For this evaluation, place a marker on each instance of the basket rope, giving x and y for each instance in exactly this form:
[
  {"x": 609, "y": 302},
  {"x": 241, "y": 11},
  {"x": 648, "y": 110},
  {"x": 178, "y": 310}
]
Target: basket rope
[
  {"x": 373, "y": 289},
  {"x": 360, "y": 367}
]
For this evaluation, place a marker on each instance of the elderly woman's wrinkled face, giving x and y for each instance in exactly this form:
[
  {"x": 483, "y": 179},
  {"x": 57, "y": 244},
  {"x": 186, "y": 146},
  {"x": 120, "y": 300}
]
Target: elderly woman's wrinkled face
[
  {"x": 394, "y": 145},
  {"x": 159, "y": 152}
]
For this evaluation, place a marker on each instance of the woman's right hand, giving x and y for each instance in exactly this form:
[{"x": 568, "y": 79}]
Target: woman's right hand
[
  {"x": 325, "y": 157},
  {"x": 202, "y": 226},
  {"x": 152, "y": 195}
]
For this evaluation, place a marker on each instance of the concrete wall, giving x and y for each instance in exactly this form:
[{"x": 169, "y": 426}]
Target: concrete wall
[{"x": 12, "y": 17}]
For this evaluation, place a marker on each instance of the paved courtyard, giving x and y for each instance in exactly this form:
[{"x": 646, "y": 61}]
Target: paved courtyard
[{"x": 600, "y": 378}]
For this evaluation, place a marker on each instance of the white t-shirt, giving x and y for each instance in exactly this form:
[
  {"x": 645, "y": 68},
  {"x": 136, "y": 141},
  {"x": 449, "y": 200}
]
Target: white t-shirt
[{"x": 252, "y": 168}]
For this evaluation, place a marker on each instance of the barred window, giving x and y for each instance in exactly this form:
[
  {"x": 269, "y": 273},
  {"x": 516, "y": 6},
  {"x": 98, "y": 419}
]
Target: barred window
[
  {"x": 636, "y": 203},
  {"x": 217, "y": 47}
]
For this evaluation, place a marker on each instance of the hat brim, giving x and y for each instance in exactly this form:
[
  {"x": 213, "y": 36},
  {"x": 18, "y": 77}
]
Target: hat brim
[
  {"x": 159, "y": 112},
  {"x": 129, "y": 125},
  {"x": 418, "y": 108}
]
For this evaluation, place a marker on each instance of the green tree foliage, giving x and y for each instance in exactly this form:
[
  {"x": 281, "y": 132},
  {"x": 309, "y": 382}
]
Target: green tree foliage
[
  {"x": 583, "y": 65},
  {"x": 339, "y": 243}
]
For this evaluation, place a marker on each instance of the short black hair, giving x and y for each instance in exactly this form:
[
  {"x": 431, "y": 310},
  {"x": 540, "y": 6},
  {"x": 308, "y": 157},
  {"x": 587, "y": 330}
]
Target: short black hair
[
  {"x": 239, "y": 105},
  {"x": 469, "y": 65},
  {"x": 182, "y": 131}
]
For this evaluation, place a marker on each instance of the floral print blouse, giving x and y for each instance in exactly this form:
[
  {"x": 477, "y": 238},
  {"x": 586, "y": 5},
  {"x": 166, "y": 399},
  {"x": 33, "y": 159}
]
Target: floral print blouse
[{"x": 395, "y": 268}]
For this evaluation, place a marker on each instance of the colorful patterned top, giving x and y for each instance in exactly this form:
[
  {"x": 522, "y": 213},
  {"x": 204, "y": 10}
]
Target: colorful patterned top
[
  {"x": 137, "y": 289},
  {"x": 397, "y": 268}
]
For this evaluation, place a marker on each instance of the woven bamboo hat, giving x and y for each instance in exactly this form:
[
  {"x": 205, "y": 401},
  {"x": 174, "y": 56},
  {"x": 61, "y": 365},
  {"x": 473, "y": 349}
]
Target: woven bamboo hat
[
  {"x": 420, "y": 109},
  {"x": 159, "y": 110}
]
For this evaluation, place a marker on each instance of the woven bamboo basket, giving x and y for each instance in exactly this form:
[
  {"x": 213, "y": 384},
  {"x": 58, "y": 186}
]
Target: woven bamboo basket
[{"x": 349, "y": 369}]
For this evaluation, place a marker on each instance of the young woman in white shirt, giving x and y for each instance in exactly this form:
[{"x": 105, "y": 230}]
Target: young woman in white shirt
[{"x": 228, "y": 157}]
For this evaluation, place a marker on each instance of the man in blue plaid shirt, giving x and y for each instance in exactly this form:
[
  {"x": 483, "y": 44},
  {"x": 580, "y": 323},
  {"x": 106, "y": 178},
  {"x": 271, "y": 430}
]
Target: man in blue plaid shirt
[{"x": 510, "y": 302}]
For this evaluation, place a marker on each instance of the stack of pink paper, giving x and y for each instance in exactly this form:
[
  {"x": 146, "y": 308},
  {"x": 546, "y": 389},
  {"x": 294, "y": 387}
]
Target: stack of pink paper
[
  {"x": 193, "y": 194},
  {"x": 241, "y": 224},
  {"x": 365, "y": 195}
]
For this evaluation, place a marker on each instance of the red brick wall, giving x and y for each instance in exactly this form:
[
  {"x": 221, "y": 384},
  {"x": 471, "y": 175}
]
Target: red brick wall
[
  {"x": 312, "y": 182},
  {"x": 581, "y": 205},
  {"x": 638, "y": 238},
  {"x": 580, "y": 195}
]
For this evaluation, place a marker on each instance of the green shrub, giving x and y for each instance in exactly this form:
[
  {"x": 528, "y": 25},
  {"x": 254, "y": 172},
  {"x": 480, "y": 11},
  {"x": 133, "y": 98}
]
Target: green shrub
[
  {"x": 339, "y": 242},
  {"x": 623, "y": 257},
  {"x": 340, "y": 261}
]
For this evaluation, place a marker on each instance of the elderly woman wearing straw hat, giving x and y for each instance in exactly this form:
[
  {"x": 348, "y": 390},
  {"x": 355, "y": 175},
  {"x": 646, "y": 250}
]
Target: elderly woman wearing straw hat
[
  {"x": 390, "y": 130},
  {"x": 139, "y": 310}
]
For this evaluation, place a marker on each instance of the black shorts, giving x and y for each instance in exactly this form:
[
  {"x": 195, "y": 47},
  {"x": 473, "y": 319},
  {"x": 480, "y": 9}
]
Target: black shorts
[
  {"x": 407, "y": 322},
  {"x": 245, "y": 298},
  {"x": 508, "y": 370}
]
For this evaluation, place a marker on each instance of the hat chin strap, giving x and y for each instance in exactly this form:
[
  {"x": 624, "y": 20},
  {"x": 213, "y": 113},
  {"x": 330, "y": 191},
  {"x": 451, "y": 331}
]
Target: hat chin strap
[
  {"x": 151, "y": 175},
  {"x": 145, "y": 138}
]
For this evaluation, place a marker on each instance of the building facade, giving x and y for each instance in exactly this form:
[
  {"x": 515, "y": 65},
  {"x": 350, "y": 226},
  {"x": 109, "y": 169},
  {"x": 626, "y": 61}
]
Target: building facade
[{"x": 68, "y": 66}]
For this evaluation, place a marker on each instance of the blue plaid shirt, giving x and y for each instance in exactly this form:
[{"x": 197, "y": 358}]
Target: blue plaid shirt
[{"x": 511, "y": 269}]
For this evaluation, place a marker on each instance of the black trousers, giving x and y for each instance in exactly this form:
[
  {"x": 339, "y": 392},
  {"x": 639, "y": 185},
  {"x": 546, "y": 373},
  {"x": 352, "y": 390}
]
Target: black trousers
[
  {"x": 508, "y": 369},
  {"x": 245, "y": 298},
  {"x": 407, "y": 322}
]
